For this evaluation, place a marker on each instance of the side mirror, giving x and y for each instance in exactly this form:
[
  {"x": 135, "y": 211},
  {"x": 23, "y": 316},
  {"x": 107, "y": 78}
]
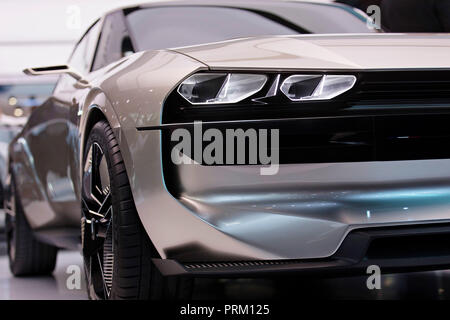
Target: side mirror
[{"x": 41, "y": 71}]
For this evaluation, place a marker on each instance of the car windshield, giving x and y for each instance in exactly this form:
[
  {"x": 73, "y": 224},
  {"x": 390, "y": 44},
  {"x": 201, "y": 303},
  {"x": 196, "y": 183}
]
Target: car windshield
[{"x": 177, "y": 26}]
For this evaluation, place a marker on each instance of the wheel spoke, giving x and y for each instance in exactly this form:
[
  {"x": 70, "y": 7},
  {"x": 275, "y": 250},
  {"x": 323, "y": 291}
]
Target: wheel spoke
[
  {"x": 96, "y": 186},
  {"x": 103, "y": 225},
  {"x": 95, "y": 199},
  {"x": 106, "y": 202},
  {"x": 108, "y": 214},
  {"x": 96, "y": 213},
  {"x": 93, "y": 161}
]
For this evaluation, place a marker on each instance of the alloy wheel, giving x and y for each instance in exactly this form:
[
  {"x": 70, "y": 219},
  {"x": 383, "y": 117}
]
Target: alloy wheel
[{"x": 96, "y": 224}]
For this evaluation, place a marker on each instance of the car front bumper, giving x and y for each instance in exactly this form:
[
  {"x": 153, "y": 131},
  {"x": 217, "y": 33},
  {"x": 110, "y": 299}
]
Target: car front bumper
[
  {"x": 392, "y": 249},
  {"x": 306, "y": 211}
]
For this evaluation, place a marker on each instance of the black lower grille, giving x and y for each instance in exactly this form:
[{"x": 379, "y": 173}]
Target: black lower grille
[
  {"x": 414, "y": 246},
  {"x": 412, "y": 137},
  {"x": 346, "y": 139},
  {"x": 401, "y": 87},
  {"x": 238, "y": 264}
]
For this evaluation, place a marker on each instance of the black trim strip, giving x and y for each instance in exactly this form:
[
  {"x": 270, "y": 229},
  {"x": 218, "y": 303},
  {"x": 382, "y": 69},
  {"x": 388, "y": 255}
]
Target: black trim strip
[{"x": 287, "y": 120}]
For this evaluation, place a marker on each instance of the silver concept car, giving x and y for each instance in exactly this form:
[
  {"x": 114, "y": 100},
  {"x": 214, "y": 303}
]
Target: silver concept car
[{"x": 357, "y": 126}]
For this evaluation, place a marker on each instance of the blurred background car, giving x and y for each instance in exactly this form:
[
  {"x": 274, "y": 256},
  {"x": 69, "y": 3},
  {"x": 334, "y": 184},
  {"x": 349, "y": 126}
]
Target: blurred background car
[{"x": 19, "y": 96}]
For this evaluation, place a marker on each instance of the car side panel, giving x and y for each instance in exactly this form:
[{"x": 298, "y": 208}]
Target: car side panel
[{"x": 41, "y": 169}]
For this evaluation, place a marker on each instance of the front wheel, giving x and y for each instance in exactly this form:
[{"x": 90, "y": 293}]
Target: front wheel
[{"x": 116, "y": 249}]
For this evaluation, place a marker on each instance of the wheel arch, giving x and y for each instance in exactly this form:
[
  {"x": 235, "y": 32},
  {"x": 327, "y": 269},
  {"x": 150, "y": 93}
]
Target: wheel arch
[
  {"x": 98, "y": 108},
  {"x": 95, "y": 115}
]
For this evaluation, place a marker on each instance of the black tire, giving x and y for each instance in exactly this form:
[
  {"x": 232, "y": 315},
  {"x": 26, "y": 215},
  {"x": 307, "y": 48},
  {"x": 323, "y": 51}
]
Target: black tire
[
  {"x": 134, "y": 275},
  {"x": 27, "y": 256}
]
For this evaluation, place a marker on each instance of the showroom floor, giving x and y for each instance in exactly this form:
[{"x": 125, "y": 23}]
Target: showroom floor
[
  {"x": 41, "y": 288},
  {"x": 430, "y": 285}
]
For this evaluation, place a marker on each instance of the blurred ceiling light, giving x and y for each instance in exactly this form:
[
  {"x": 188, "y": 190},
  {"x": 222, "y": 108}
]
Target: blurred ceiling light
[
  {"x": 18, "y": 112},
  {"x": 12, "y": 101}
]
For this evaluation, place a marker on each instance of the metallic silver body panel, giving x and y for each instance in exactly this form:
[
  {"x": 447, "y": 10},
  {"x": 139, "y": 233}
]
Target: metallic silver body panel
[
  {"x": 43, "y": 174},
  {"x": 325, "y": 52},
  {"x": 233, "y": 213},
  {"x": 306, "y": 210}
]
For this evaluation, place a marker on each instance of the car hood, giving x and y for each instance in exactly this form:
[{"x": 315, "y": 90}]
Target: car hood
[{"x": 377, "y": 51}]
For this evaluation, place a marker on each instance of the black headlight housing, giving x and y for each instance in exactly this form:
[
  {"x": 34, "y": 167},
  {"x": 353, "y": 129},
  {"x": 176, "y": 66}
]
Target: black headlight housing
[{"x": 239, "y": 95}]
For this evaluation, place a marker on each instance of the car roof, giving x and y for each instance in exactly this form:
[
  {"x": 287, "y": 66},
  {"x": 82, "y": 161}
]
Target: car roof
[{"x": 222, "y": 3}]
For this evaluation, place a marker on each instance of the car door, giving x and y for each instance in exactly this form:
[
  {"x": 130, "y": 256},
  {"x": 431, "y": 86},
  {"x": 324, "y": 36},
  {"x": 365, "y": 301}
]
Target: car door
[{"x": 43, "y": 171}]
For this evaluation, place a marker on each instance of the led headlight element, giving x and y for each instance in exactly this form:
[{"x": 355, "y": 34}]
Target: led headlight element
[
  {"x": 220, "y": 88},
  {"x": 316, "y": 87}
]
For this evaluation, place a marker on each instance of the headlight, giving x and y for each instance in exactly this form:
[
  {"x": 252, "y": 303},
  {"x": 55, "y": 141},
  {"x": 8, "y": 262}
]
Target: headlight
[
  {"x": 316, "y": 87},
  {"x": 220, "y": 88}
]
